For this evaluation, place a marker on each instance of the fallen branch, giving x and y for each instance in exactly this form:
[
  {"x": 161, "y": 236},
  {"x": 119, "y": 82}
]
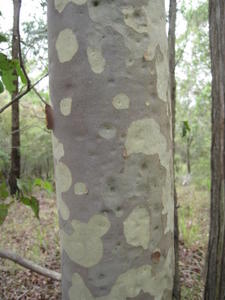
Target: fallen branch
[
  {"x": 30, "y": 265},
  {"x": 19, "y": 96}
]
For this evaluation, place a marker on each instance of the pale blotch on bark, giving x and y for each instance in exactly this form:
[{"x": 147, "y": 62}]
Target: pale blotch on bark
[
  {"x": 84, "y": 246},
  {"x": 148, "y": 19},
  {"x": 162, "y": 78},
  {"x": 96, "y": 60},
  {"x": 144, "y": 136},
  {"x": 61, "y": 4},
  {"x": 58, "y": 152},
  {"x": 62, "y": 207},
  {"x": 121, "y": 101},
  {"x": 143, "y": 20},
  {"x": 107, "y": 131},
  {"x": 63, "y": 183},
  {"x": 80, "y": 188},
  {"x": 136, "y": 18},
  {"x": 137, "y": 228},
  {"x": 66, "y": 45},
  {"x": 131, "y": 283},
  {"x": 58, "y": 149},
  {"x": 65, "y": 106},
  {"x": 147, "y": 103}
]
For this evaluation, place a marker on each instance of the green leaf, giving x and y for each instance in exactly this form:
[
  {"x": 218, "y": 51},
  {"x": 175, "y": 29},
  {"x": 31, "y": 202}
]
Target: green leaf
[
  {"x": 4, "y": 193},
  {"x": 8, "y": 78},
  {"x": 3, "y": 212},
  {"x": 1, "y": 87},
  {"x": 185, "y": 128},
  {"x": 5, "y": 63},
  {"x": 48, "y": 187},
  {"x": 37, "y": 182},
  {"x": 3, "y": 38},
  {"x": 33, "y": 203}
]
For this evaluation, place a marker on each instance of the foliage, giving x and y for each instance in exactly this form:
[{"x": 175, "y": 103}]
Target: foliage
[
  {"x": 25, "y": 195},
  {"x": 193, "y": 111}
]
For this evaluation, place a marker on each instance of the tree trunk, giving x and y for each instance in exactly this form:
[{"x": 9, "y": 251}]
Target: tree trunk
[
  {"x": 172, "y": 65},
  {"x": 109, "y": 74},
  {"x": 15, "y": 135},
  {"x": 215, "y": 281},
  {"x": 188, "y": 145}
]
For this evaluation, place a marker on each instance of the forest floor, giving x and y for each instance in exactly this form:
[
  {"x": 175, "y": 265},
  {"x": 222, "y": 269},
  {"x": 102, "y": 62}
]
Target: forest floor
[{"x": 38, "y": 240}]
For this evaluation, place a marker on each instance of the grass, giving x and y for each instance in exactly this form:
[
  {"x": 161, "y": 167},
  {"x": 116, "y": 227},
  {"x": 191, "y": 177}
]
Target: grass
[{"x": 193, "y": 216}]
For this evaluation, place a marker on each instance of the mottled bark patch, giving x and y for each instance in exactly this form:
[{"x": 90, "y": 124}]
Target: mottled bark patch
[
  {"x": 84, "y": 246},
  {"x": 144, "y": 136},
  {"x": 65, "y": 106},
  {"x": 121, "y": 101},
  {"x": 63, "y": 184},
  {"x": 58, "y": 149},
  {"x": 131, "y": 283},
  {"x": 66, "y": 45},
  {"x": 137, "y": 228},
  {"x": 61, "y": 4},
  {"x": 96, "y": 60},
  {"x": 107, "y": 131},
  {"x": 80, "y": 188}
]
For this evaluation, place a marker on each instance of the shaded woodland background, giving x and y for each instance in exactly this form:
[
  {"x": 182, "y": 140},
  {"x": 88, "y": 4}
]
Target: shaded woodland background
[{"x": 37, "y": 239}]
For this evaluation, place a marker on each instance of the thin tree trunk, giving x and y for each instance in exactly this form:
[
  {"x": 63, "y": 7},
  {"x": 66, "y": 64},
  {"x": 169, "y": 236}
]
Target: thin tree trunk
[
  {"x": 172, "y": 65},
  {"x": 215, "y": 280},
  {"x": 15, "y": 136},
  {"x": 109, "y": 83},
  {"x": 188, "y": 145}
]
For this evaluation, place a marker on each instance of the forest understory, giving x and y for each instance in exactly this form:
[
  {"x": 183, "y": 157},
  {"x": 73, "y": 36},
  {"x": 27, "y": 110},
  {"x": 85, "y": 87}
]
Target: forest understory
[{"x": 38, "y": 240}]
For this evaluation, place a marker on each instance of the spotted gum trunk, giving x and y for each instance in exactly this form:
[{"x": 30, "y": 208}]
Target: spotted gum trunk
[{"x": 112, "y": 145}]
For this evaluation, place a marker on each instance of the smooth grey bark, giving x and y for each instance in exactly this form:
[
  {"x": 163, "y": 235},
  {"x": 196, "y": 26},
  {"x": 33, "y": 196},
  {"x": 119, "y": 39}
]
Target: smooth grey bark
[
  {"x": 215, "y": 281},
  {"x": 172, "y": 66},
  {"x": 112, "y": 144},
  {"x": 15, "y": 127}
]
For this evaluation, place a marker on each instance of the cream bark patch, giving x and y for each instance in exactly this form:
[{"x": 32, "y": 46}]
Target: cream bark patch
[
  {"x": 64, "y": 177},
  {"x": 121, "y": 101},
  {"x": 130, "y": 283},
  {"x": 63, "y": 183},
  {"x": 107, "y": 131},
  {"x": 65, "y": 106},
  {"x": 66, "y": 45},
  {"x": 61, "y": 4},
  {"x": 80, "y": 188},
  {"x": 63, "y": 208},
  {"x": 84, "y": 246},
  {"x": 136, "y": 18},
  {"x": 137, "y": 228},
  {"x": 144, "y": 136},
  {"x": 96, "y": 60},
  {"x": 58, "y": 149}
]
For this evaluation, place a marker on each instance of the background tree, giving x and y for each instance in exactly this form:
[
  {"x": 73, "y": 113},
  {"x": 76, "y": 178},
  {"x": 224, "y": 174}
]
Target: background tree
[
  {"x": 215, "y": 281},
  {"x": 172, "y": 65},
  {"x": 15, "y": 143},
  {"x": 193, "y": 96},
  {"x": 112, "y": 148}
]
